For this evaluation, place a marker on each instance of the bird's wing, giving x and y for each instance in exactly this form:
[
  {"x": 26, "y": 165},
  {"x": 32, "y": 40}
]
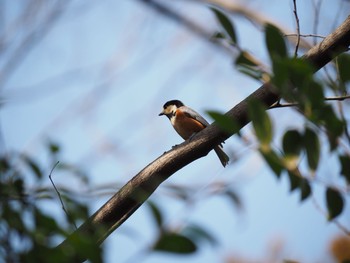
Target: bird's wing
[{"x": 194, "y": 115}]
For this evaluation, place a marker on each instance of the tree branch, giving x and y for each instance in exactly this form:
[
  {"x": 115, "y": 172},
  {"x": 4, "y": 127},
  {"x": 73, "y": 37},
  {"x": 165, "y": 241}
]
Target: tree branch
[
  {"x": 132, "y": 195},
  {"x": 286, "y": 105}
]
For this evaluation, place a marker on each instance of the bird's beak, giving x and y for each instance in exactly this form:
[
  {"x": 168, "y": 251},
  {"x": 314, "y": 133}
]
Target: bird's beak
[{"x": 160, "y": 114}]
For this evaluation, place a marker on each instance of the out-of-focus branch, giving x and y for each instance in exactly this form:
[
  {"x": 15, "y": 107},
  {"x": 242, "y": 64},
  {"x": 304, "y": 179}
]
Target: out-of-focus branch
[
  {"x": 195, "y": 28},
  {"x": 236, "y": 8},
  {"x": 199, "y": 30},
  {"x": 131, "y": 196},
  {"x": 30, "y": 40}
]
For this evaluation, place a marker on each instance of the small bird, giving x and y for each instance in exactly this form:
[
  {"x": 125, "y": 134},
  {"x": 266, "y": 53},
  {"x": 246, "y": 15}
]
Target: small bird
[{"x": 188, "y": 122}]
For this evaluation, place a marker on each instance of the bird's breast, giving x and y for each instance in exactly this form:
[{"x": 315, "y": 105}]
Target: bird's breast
[{"x": 185, "y": 125}]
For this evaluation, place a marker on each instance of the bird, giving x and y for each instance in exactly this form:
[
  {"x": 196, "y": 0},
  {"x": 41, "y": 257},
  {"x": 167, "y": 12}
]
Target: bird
[{"x": 187, "y": 122}]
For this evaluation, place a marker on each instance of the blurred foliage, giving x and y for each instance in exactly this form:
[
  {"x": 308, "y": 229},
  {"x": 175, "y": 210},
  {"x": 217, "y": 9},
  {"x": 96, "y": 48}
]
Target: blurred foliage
[
  {"x": 27, "y": 233},
  {"x": 182, "y": 240},
  {"x": 296, "y": 83}
]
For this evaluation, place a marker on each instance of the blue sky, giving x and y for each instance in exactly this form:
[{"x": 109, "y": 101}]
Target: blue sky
[{"x": 96, "y": 83}]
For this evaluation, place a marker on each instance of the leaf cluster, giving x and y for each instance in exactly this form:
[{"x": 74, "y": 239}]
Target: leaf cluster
[
  {"x": 294, "y": 80},
  {"x": 27, "y": 232}
]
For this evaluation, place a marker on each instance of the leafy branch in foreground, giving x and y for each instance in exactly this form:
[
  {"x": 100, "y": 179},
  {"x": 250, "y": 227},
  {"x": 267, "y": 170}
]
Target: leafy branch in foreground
[{"x": 293, "y": 78}]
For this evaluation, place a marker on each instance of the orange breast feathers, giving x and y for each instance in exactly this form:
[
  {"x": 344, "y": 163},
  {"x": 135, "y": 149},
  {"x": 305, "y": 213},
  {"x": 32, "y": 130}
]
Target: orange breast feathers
[{"x": 185, "y": 125}]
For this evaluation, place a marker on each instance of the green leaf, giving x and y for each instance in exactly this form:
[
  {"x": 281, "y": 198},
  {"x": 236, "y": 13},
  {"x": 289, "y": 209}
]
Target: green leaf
[
  {"x": 312, "y": 92},
  {"x": 218, "y": 36},
  {"x": 305, "y": 189},
  {"x": 226, "y": 123},
  {"x": 335, "y": 203},
  {"x": 345, "y": 167},
  {"x": 199, "y": 234},
  {"x": 261, "y": 122},
  {"x": 4, "y": 165},
  {"x": 334, "y": 126},
  {"x": 246, "y": 64},
  {"x": 175, "y": 243},
  {"x": 312, "y": 147},
  {"x": 54, "y": 147},
  {"x": 295, "y": 181},
  {"x": 274, "y": 161},
  {"x": 275, "y": 42},
  {"x": 156, "y": 213},
  {"x": 292, "y": 143},
  {"x": 343, "y": 67},
  {"x": 225, "y": 23},
  {"x": 245, "y": 59},
  {"x": 45, "y": 225},
  {"x": 33, "y": 166}
]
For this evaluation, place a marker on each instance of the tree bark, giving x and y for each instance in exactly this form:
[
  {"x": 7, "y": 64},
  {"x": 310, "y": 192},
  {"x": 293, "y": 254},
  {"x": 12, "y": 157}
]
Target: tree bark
[{"x": 132, "y": 195}]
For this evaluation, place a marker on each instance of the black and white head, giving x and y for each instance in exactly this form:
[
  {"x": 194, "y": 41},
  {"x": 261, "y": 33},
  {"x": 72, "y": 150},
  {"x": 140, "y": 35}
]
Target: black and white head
[{"x": 170, "y": 107}]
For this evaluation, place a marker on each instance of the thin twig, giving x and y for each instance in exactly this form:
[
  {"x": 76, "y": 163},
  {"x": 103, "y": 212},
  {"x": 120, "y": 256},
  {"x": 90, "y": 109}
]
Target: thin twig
[
  {"x": 60, "y": 197},
  {"x": 295, "y": 104},
  {"x": 338, "y": 98},
  {"x": 317, "y": 8},
  {"x": 305, "y": 35},
  {"x": 298, "y": 27}
]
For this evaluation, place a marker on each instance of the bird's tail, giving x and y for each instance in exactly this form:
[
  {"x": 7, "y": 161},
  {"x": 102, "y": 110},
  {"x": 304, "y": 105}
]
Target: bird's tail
[{"x": 222, "y": 155}]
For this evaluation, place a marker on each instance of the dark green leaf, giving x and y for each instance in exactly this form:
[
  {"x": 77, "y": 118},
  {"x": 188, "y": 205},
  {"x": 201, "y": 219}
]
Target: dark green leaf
[
  {"x": 175, "y": 243},
  {"x": 225, "y": 23},
  {"x": 245, "y": 59},
  {"x": 305, "y": 189},
  {"x": 226, "y": 123},
  {"x": 333, "y": 123},
  {"x": 345, "y": 167},
  {"x": 4, "y": 165},
  {"x": 312, "y": 92},
  {"x": 199, "y": 234},
  {"x": 292, "y": 143},
  {"x": 54, "y": 148},
  {"x": 44, "y": 224},
  {"x": 19, "y": 186},
  {"x": 218, "y": 36},
  {"x": 33, "y": 166},
  {"x": 300, "y": 71},
  {"x": 245, "y": 63},
  {"x": 295, "y": 181},
  {"x": 335, "y": 203},
  {"x": 275, "y": 42},
  {"x": 261, "y": 122},
  {"x": 281, "y": 78},
  {"x": 156, "y": 213},
  {"x": 83, "y": 245},
  {"x": 251, "y": 72},
  {"x": 274, "y": 161},
  {"x": 312, "y": 147},
  {"x": 343, "y": 67},
  {"x": 291, "y": 73}
]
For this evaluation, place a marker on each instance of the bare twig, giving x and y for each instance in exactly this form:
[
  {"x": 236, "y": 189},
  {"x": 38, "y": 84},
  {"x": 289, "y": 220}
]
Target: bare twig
[
  {"x": 239, "y": 8},
  {"x": 304, "y": 35},
  {"x": 30, "y": 40},
  {"x": 298, "y": 28},
  {"x": 317, "y": 8},
  {"x": 295, "y": 104},
  {"x": 60, "y": 197}
]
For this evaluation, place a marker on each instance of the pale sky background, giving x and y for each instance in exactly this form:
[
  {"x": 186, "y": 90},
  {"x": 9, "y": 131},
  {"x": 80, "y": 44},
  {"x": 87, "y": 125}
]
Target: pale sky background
[{"x": 95, "y": 85}]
